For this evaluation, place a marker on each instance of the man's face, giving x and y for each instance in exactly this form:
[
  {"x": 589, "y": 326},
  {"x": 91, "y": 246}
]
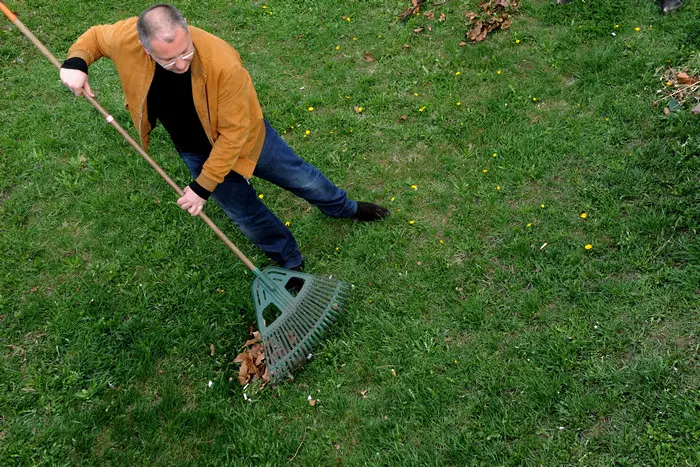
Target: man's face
[{"x": 176, "y": 55}]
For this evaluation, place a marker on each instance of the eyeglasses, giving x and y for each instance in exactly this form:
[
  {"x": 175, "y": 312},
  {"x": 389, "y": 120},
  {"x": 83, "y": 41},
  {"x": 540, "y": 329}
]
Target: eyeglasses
[{"x": 185, "y": 56}]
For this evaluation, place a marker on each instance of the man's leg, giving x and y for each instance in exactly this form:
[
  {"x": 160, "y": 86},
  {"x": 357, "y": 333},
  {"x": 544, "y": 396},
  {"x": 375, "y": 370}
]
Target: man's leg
[
  {"x": 280, "y": 165},
  {"x": 237, "y": 198}
]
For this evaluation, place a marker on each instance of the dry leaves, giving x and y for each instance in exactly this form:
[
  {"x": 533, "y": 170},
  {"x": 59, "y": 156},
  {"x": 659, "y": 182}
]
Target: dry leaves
[
  {"x": 679, "y": 88},
  {"x": 413, "y": 9},
  {"x": 252, "y": 360},
  {"x": 495, "y": 15}
]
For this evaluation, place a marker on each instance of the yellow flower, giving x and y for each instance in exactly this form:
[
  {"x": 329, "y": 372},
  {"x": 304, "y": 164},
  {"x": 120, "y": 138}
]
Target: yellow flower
[
  {"x": 459, "y": 103},
  {"x": 637, "y": 29},
  {"x": 421, "y": 109},
  {"x": 310, "y": 109},
  {"x": 668, "y": 83},
  {"x": 583, "y": 215},
  {"x": 529, "y": 225},
  {"x": 498, "y": 72},
  {"x": 354, "y": 38},
  {"x": 347, "y": 18},
  {"x": 337, "y": 47},
  {"x": 308, "y": 132},
  {"x": 485, "y": 170},
  {"x": 264, "y": 7},
  {"x": 607, "y": 119},
  {"x": 393, "y": 198},
  {"x": 379, "y": 36},
  {"x": 588, "y": 247},
  {"x": 411, "y": 222},
  {"x": 261, "y": 196},
  {"x": 617, "y": 25},
  {"x": 495, "y": 154},
  {"x": 360, "y": 109},
  {"x": 287, "y": 223},
  {"x": 498, "y": 187},
  {"x": 517, "y": 41},
  {"x": 458, "y": 73},
  {"x": 542, "y": 205},
  {"x": 337, "y": 249},
  {"x": 415, "y": 187},
  {"x": 442, "y": 242},
  {"x": 415, "y": 94},
  {"x": 534, "y": 99}
]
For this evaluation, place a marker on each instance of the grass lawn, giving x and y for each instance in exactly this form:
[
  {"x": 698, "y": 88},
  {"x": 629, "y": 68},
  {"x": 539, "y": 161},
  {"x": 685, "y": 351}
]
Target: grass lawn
[{"x": 481, "y": 328}]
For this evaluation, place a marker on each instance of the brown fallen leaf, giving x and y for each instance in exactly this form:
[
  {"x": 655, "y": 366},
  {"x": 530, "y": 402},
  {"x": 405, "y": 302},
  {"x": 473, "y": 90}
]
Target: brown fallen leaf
[
  {"x": 684, "y": 78},
  {"x": 406, "y": 46},
  {"x": 364, "y": 393},
  {"x": 442, "y": 17},
  {"x": 429, "y": 14},
  {"x": 403, "y": 118},
  {"x": 418, "y": 30},
  {"x": 667, "y": 111},
  {"x": 369, "y": 57}
]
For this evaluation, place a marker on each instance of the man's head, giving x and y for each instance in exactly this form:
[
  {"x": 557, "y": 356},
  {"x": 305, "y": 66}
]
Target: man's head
[{"x": 164, "y": 35}]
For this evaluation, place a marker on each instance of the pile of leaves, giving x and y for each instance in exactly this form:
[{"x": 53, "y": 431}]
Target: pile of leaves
[
  {"x": 494, "y": 15},
  {"x": 679, "y": 87},
  {"x": 252, "y": 360}
]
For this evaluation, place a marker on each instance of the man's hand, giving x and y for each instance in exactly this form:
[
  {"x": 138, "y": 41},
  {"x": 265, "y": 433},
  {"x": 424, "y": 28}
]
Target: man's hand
[
  {"x": 191, "y": 202},
  {"x": 76, "y": 81}
]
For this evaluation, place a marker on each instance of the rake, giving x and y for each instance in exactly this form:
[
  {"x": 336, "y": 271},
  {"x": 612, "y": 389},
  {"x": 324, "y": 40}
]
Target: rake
[{"x": 300, "y": 319}]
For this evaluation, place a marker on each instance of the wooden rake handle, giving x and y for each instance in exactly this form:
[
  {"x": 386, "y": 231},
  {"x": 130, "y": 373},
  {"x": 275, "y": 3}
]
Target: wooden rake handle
[{"x": 13, "y": 18}]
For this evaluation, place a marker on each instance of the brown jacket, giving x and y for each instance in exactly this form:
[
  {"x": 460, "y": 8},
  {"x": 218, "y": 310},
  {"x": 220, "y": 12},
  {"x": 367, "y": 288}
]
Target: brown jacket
[{"x": 224, "y": 96}]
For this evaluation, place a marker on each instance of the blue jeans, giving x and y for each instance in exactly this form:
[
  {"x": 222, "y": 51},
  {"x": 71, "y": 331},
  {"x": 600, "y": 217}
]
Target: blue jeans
[{"x": 280, "y": 165}]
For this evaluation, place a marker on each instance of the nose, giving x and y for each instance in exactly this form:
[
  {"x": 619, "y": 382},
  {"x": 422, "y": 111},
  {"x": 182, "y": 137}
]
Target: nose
[{"x": 181, "y": 64}]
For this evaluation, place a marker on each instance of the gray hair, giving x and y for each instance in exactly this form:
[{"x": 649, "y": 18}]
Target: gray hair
[{"x": 159, "y": 21}]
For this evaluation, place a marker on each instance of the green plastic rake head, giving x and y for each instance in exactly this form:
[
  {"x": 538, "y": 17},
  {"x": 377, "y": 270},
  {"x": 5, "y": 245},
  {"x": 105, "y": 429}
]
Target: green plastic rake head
[{"x": 301, "y": 319}]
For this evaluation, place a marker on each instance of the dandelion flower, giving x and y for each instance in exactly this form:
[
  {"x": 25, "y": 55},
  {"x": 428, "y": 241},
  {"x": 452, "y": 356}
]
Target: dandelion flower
[
  {"x": 495, "y": 154},
  {"x": 459, "y": 103},
  {"x": 542, "y": 205},
  {"x": 668, "y": 83},
  {"x": 360, "y": 109},
  {"x": 415, "y": 94},
  {"x": 517, "y": 41},
  {"x": 534, "y": 99},
  {"x": 498, "y": 187},
  {"x": 442, "y": 242},
  {"x": 347, "y": 18},
  {"x": 393, "y": 198},
  {"x": 617, "y": 25},
  {"x": 415, "y": 187},
  {"x": 637, "y": 29},
  {"x": 411, "y": 222},
  {"x": 310, "y": 109},
  {"x": 421, "y": 109},
  {"x": 583, "y": 215},
  {"x": 337, "y": 47},
  {"x": 354, "y": 38},
  {"x": 458, "y": 73},
  {"x": 485, "y": 170},
  {"x": 528, "y": 225},
  {"x": 498, "y": 72},
  {"x": 287, "y": 223},
  {"x": 588, "y": 246},
  {"x": 261, "y": 196},
  {"x": 307, "y": 132}
]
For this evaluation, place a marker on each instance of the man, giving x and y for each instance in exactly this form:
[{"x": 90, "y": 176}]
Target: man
[{"x": 195, "y": 85}]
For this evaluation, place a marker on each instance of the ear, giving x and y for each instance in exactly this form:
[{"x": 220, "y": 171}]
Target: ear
[{"x": 144, "y": 48}]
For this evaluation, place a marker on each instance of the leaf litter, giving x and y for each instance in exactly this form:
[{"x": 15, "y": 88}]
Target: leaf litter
[
  {"x": 679, "y": 87},
  {"x": 494, "y": 15},
  {"x": 252, "y": 360}
]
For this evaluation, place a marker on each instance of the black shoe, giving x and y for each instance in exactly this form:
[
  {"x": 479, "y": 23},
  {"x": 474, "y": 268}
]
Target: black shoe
[
  {"x": 295, "y": 284},
  {"x": 671, "y": 5},
  {"x": 368, "y": 212}
]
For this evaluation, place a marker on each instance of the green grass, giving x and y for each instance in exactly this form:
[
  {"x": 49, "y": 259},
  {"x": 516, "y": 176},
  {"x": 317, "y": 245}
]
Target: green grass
[{"x": 511, "y": 343}]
